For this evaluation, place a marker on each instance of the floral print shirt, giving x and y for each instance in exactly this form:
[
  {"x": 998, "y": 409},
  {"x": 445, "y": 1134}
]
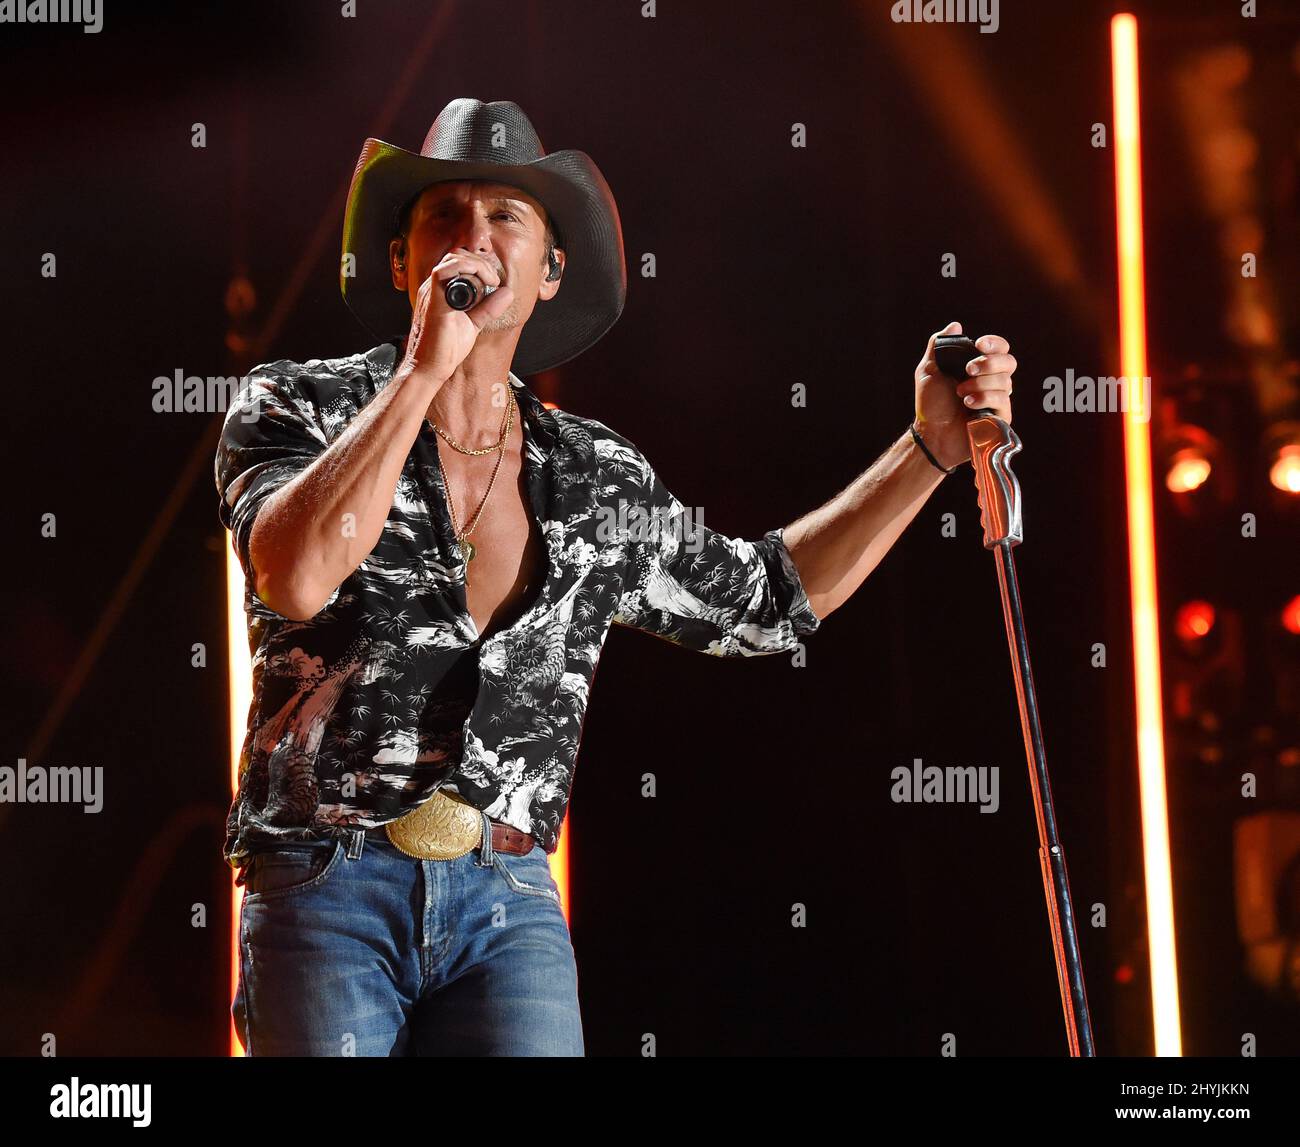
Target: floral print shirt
[{"x": 389, "y": 693}]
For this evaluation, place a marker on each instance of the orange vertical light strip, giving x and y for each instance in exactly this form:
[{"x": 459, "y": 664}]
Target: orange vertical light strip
[
  {"x": 241, "y": 688},
  {"x": 1142, "y": 549},
  {"x": 559, "y": 859}
]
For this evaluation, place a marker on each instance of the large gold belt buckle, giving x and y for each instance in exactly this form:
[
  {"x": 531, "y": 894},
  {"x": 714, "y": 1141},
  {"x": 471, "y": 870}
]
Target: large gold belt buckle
[{"x": 444, "y": 827}]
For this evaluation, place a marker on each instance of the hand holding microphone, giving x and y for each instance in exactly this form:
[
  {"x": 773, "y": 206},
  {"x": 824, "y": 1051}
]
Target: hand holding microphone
[
  {"x": 462, "y": 294},
  {"x": 466, "y": 278}
]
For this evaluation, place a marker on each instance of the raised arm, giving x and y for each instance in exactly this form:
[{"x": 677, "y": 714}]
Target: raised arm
[
  {"x": 292, "y": 491},
  {"x": 837, "y": 545},
  {"x": 705, "y": 591},
  {"x": 287, "y": 494}
]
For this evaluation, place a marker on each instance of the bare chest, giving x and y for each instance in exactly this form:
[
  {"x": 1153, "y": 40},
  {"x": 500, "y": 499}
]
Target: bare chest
[{"x": 509, "y": 562}]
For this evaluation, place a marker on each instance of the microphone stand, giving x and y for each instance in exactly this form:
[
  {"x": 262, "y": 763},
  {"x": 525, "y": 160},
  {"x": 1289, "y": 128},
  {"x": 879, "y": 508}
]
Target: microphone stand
[{"x": 992, "y": 444}]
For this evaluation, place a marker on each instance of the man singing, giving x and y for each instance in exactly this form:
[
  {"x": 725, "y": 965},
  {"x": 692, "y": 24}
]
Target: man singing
[{"x": 433, "y": 561}]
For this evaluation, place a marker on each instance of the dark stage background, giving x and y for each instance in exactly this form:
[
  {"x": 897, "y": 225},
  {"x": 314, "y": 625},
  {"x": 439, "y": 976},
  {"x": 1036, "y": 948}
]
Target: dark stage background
[{"x": 774, "y": 781}]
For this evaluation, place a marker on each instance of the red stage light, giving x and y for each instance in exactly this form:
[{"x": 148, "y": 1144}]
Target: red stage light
[
  {"x": 1194, "y": 620},
  {"x": 1291, "y": 615}
]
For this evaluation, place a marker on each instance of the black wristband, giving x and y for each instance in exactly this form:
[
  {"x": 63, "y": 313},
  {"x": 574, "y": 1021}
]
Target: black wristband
[{"x": 926, "y": 450}]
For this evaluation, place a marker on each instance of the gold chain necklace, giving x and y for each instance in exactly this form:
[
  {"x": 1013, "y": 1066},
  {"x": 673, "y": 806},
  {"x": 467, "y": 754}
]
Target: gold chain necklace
[
  {"x": 485, "y": 449},
  {"x": 467, "y": 548}
]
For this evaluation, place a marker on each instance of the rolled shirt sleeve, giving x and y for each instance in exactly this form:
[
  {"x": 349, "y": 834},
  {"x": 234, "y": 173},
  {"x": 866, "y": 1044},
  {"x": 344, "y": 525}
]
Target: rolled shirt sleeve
[
  {"x": 269, "y": 437},
  {"x": 701, "y": 589}
]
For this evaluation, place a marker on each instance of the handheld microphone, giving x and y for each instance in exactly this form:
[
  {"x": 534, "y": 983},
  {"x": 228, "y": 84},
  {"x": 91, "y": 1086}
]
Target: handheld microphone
[{"x": 462, "y": 291}]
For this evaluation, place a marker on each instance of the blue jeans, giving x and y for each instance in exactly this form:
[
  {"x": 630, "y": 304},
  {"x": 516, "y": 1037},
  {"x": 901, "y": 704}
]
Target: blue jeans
[{"x": 351, "y": 947}]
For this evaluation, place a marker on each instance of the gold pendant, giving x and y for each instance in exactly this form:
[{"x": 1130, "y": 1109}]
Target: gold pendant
[{"x": 468, "y": 548}]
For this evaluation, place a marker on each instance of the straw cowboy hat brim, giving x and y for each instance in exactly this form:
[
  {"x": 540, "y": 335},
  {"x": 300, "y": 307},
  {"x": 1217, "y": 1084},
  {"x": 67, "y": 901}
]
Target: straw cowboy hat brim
[{"x": 471, "y": 140}]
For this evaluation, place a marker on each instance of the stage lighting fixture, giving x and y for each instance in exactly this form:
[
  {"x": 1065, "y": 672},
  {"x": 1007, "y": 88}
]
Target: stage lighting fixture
[
  {"x": 1291, "y": 616},
  {"x": 1191, "y": 456},
  {"x": 1188, "y": 469},
  {"x": 1194, "y": 621},
  {"x": 1284, "y": 467},
  {"x": 1281, "y": 452}
]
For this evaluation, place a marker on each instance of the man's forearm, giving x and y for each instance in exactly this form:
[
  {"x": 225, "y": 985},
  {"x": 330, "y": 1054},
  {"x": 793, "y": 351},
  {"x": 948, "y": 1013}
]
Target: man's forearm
[
  {"x": 299, "y": 548},
  {"x": 838, "y": 544}
]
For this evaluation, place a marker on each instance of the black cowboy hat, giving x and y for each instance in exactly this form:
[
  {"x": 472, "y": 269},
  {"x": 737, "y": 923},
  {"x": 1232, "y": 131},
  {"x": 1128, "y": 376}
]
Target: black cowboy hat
[{"x": 472, "y": 140}]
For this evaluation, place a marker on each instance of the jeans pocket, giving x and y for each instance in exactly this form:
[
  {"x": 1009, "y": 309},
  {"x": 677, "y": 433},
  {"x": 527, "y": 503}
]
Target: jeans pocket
[
  {"x": 288, "y": 870},
  {"x": 528, "y": 875}
]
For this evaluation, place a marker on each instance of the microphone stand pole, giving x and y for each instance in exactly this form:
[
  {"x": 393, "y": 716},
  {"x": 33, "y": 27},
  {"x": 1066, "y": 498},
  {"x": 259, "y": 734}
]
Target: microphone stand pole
[{"x": 992, "y": 443}]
